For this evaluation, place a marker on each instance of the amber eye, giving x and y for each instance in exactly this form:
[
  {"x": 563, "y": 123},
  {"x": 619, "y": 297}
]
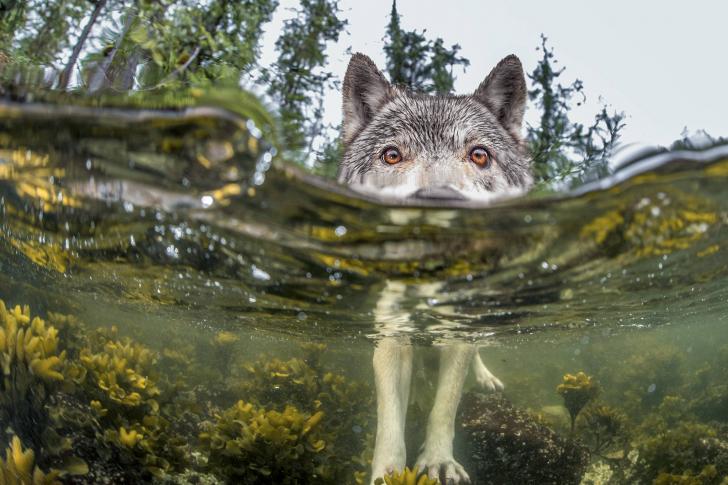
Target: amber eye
[
  {"x": 479, "y": 156},
  {"x": 391, "y": 156}
]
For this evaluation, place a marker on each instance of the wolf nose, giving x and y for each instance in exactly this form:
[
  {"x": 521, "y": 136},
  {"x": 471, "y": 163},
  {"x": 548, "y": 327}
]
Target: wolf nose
[{"x": 438, "y": 193}]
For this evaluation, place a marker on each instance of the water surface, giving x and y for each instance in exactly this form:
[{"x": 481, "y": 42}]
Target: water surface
[{"x": 189, "y": 234}]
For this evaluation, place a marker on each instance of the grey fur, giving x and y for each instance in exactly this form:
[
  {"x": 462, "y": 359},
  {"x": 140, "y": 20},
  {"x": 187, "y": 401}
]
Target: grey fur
[{"x": 434, "y": 135}]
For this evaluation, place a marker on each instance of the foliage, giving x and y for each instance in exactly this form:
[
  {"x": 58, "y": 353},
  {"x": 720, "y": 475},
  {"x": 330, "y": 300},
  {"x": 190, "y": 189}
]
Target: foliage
[
  {"x": 564, "y": 150},
  {"x": 577, "y": 390},
  {"x": 418, "y": 63},
  {"x": 116, "y": 46},
  {"x": 200, "y": 43},
  {"x": 407, "y": 477},
  {"x": 297, "y": 81}
]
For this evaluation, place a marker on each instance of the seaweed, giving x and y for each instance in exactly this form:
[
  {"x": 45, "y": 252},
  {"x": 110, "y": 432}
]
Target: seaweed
[
  {"x": 689, "y": 450},
  {"x": 30, "y": 360},
  {"x": 19, "y": 467},
  {"x": 605, "y": 430},
  {"x": 248, "y": 444},
  {"x": 504, "y": 444},
  {"x": 304, "y": 383},
  {"x": 408, "y": 476},
  {"x": 577, "y": 390}
]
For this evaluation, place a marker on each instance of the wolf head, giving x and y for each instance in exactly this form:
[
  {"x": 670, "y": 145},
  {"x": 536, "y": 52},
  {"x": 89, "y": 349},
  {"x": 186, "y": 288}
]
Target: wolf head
[{"x": 406, "y": 145}]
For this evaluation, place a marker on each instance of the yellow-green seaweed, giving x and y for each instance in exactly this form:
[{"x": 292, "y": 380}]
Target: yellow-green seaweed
[
  {"x": 19, "y": 467},
  {"x": 252, "y": 445},
  {"x": 577, "y": 390},
  {"x": 408, "y": 476}
]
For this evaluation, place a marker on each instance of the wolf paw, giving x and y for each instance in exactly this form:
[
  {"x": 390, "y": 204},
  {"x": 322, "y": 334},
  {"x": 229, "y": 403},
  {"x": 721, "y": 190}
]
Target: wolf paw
[
  {"x": 486, "y": 380},
  {"x": 387, "y": 461},
  {"x": 442, "y": 466}
]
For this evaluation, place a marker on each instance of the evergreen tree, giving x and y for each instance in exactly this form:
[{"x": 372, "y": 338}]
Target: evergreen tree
[
  {"x": 298, "y": 79},
  {"x": 564, "y": 150},
  {"x": 418, "y": 63}
]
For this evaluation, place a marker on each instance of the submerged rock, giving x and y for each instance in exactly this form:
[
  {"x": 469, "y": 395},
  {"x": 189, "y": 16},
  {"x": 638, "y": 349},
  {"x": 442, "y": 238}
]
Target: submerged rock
[{"x": 503, "y": 444}]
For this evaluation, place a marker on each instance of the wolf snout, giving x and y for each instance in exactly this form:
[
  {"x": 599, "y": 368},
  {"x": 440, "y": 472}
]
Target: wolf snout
[{"x": 438, "y": 193}]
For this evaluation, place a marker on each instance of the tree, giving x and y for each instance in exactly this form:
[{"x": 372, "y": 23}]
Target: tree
[
  {"x": 212, "y": 41},
  {"x": 48, "y": 30},
  {"x": 297, "y": 81},
  {"x": 418, "y": 63},
  {"x": 65, "y": 76},
  {"x": 564, "y": 150}
]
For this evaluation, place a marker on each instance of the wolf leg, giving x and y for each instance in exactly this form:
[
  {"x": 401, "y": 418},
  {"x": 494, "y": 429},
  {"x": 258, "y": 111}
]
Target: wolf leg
[
  {"x": 437, "y": 455},
  {"x": 485, "y": 378},
  {"x": 392, "y": 373}
]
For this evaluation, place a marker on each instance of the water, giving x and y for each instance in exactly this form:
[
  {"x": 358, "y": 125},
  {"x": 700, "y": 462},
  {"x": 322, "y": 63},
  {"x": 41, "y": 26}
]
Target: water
[{"x": 212, "y": 285}]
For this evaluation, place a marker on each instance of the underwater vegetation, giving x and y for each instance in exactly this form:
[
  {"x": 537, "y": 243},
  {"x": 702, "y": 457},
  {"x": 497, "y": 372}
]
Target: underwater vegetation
[
  {"x": 690, "y": 453},
  {"x": 82, "y": 404},
  {"x": 503, "y": 444},
  {"x": 19, "y": 467},
  {"x": 257, "y": 446},
  {"x": 671, "y": 221},
  {"x": 660, "y": 425},
  {"x": 577, "y": 390},
  {"x": 31, "y": 361},
  {"x": 304, "y": 385},
  {"x": 408, "y": 476},
  {"x": 604, "y": 429},
  {"x": 95, "y": 406}
]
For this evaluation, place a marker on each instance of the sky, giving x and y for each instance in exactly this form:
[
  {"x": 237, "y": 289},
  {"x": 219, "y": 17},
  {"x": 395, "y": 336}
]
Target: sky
[{"x": 664, "y": 63}]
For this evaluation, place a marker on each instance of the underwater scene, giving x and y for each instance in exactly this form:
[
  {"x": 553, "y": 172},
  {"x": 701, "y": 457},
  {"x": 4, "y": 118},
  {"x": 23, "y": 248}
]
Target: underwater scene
[{"x": 181, "y": 305}]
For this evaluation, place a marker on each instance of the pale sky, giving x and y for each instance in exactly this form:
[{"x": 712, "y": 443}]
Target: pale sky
[{"x": 665, "y": 63}]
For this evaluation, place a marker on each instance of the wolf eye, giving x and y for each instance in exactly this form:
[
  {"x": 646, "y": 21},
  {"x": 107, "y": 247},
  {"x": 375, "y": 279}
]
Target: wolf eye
[
  {"x": 391, "y": 156},
  {"x": 479, "y": 156}
]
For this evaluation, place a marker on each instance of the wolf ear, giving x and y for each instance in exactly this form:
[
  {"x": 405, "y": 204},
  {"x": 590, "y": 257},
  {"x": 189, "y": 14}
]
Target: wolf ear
[
  {"x": 504, "y": 92},
  {"x": 365, "y": 91}
]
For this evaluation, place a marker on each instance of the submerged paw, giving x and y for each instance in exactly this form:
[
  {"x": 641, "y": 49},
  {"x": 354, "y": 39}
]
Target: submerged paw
[
  {"x": 489, "y": 382},
  {"x": 446, "y": 469},
  {"x": 406, "y": 477}
]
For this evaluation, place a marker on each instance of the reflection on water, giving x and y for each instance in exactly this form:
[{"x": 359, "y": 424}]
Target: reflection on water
[{"x": 199, "y": 310}]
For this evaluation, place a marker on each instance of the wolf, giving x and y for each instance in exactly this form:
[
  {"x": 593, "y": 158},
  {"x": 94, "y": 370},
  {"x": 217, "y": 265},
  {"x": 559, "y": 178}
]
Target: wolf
[{"x": 411, "y": 146}]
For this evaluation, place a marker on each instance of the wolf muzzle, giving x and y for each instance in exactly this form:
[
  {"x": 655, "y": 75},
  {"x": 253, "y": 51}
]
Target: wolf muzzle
[{"x": 438, "y": 193}]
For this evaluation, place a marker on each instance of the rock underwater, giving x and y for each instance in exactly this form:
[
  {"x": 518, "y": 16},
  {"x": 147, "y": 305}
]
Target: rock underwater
[{"x": 500, "y": 443}]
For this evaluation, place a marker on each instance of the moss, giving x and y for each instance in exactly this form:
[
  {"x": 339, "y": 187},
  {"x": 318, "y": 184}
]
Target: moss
[
  {"x": 407, "y": 477},
  {"x": 19, "y": 468},
  {"x": 577, "y": 390}
]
